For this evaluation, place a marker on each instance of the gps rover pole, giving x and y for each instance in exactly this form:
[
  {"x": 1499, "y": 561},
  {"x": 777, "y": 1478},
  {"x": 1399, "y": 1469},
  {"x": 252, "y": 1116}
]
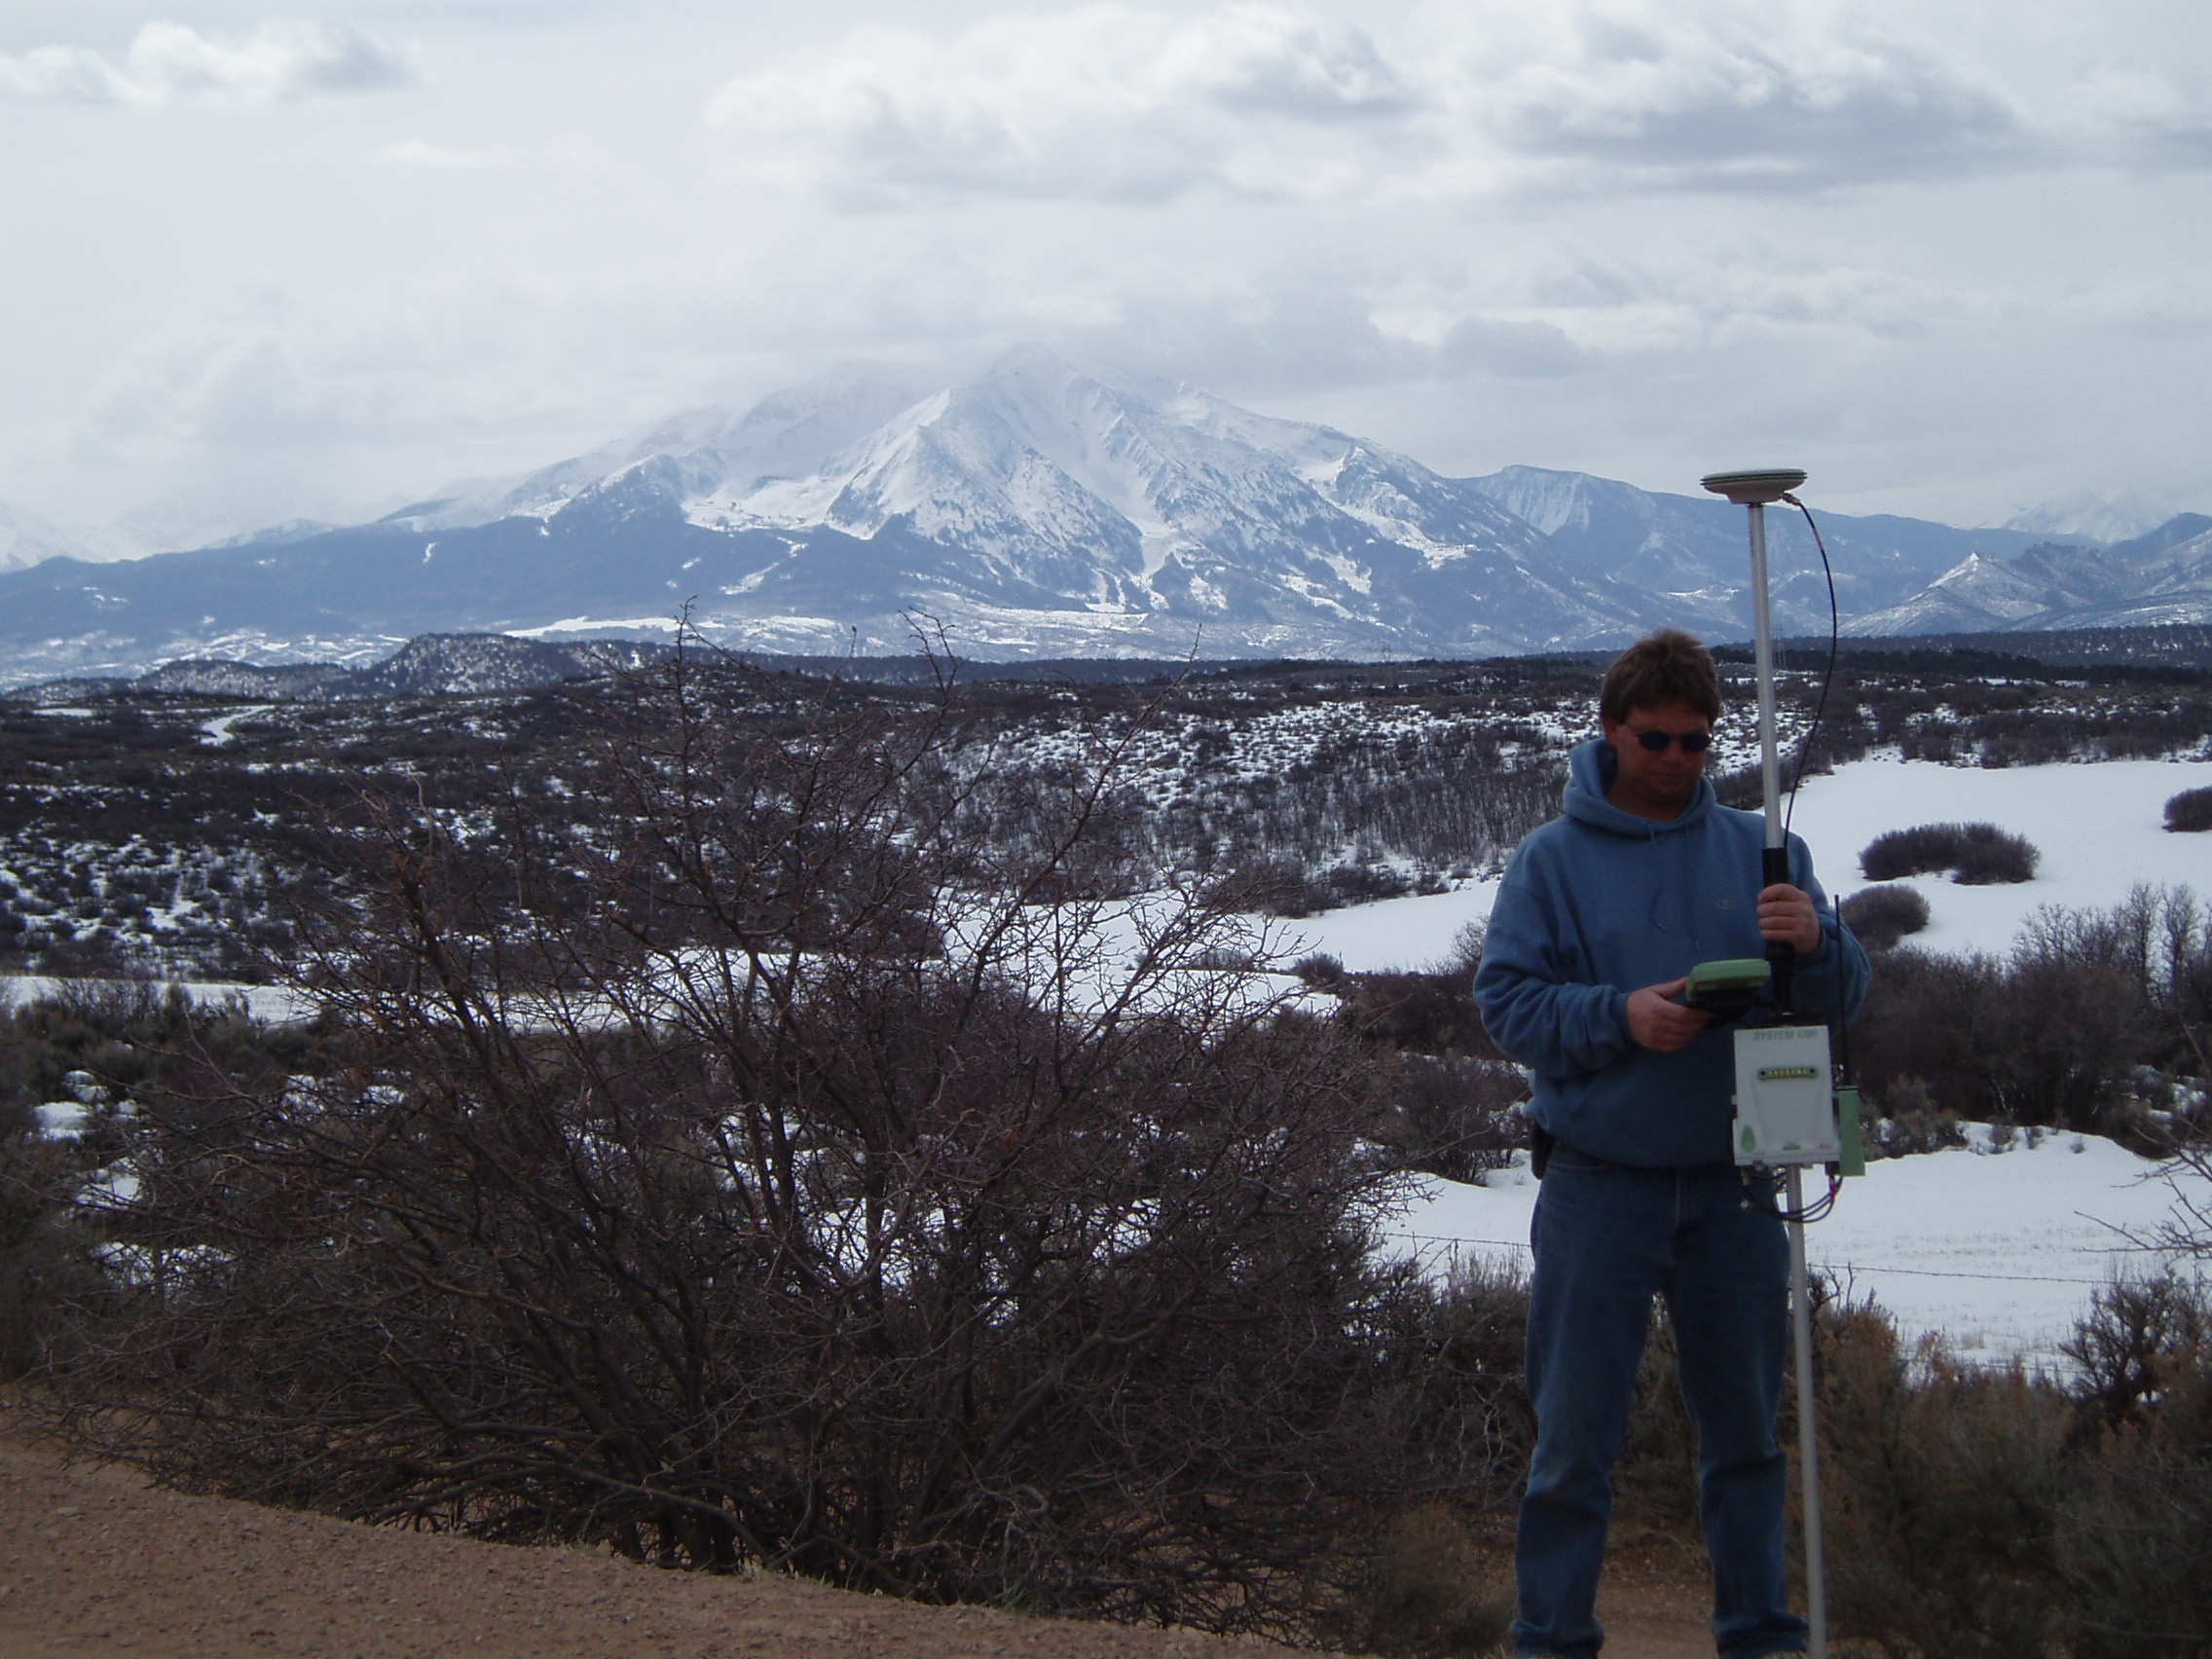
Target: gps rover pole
[{"x": 1767, "y": 1078}]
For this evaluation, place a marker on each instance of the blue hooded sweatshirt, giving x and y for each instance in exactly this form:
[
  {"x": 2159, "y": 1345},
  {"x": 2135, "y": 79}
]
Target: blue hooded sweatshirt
[{"x": 1599, "y": 903}]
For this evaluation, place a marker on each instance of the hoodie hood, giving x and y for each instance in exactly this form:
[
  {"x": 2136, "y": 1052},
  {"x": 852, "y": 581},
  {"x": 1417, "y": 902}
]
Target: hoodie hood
[{"x": 1591, "y": 769}]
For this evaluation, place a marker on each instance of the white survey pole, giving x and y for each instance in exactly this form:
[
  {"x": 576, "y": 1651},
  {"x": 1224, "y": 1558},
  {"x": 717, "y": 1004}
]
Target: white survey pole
[
  {"x": 1754, "y": 491},
  {"x": 1808, "y": 1428},
  {"x": 1763, "y": 658}
]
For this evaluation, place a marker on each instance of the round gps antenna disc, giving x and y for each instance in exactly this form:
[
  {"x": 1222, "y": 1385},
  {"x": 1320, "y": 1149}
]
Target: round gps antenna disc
[{"x": 1753, "y": 489}]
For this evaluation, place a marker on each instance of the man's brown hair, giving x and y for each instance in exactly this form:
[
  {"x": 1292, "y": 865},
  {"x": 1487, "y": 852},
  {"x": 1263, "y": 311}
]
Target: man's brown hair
[{"x": 1668, "y": 667}]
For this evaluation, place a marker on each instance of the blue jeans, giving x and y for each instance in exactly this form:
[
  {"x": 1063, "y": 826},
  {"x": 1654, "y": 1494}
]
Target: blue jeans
[{"x": 1607, "y": 1239}]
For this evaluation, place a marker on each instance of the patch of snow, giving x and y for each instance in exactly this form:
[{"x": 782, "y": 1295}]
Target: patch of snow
[
  {"x": 597, "y": 624},
  {"x": 218, "y": 731},
  {"x": 63, "y": 1120}
]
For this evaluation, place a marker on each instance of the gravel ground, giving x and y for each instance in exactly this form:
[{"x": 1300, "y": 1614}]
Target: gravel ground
[{"x": 93, "y": 1562}]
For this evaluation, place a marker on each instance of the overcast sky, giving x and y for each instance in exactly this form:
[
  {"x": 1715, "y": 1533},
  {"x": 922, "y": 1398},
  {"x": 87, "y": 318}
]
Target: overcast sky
[{"x": 1950, "y": 256}]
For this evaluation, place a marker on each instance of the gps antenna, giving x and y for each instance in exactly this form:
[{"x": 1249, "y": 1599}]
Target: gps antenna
[{"x": 1754, "y": 491}]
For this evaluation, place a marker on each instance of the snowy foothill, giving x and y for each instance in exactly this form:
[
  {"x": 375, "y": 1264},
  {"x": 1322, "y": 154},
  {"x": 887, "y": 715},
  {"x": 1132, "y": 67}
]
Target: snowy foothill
[{"x": 1997, "y": 1251}]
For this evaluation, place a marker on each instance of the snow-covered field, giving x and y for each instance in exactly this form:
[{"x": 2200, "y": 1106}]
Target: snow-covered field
[
  {"x": 1997, "y": 1251},
  {"x": 262, "y": 1002},
  {"x": 2098, "y": 827}
]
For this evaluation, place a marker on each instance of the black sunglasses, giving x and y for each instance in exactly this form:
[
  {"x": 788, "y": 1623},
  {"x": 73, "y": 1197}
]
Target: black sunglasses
[{"x": 1692, "y": 742}]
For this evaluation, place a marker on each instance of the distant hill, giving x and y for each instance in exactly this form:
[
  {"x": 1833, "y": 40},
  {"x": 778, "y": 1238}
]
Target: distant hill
[
  {"x": 2185, "y": 647},
  {"x": 431, "y": 664}
]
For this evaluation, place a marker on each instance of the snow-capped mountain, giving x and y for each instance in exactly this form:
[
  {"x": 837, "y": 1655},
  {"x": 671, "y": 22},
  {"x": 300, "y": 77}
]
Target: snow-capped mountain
[
  {"x": 1158, "y": 509},
  {"x": 1038, "y": 508},
  {"x": 787, "y": 434},
  {"x": 2089, "y": 516},
  {"x": 1689, "y": 551},
  {"x": 2162, "y": 577}
]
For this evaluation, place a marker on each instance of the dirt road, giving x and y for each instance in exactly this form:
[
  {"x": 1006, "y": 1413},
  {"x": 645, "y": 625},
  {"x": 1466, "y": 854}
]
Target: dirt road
[{"x": 93, "y": 1562}]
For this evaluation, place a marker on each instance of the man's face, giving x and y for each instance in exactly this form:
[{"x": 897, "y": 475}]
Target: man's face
[{"x": 1656, "y": 782}]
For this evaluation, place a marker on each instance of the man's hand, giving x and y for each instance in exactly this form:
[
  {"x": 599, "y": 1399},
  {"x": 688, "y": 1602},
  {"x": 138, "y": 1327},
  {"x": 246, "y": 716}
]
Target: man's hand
[
  {"x": 1655, "y": 1021},
  {"x": 1787, "y": 913}
]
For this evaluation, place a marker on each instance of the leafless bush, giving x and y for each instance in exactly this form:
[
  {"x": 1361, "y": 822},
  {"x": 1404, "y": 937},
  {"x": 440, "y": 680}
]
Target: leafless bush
[
  {"x": 1455, "y": 1116},
  {"x": 1911, "y": 1125},
  {"x": 2058, "y": 1033},
  {"x": 1976, "y": 854},
  {"x": 1997, "y": 1513},
  {"x": 2043, "y": 1038},
  {"x": 2140, "y": 1341},
  {"x": 45, "y": 1261},
  {"x": 1655, "y": 1477},
  {"x": 796, "y": 1186},
  {"x": 2137, "y": 1542},
  {"x": 1880, "y": 917}
]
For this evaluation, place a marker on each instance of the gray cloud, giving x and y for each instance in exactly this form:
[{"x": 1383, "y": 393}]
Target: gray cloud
[
  {"x": 1713, "y": 94},
  {"x": 1762, "y": 126},
  {"x": 283, "y": 58}
]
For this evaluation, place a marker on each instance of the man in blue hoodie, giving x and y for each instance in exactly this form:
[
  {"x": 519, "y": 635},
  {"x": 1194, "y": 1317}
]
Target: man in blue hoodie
[{"x": 1603, "y": 914}]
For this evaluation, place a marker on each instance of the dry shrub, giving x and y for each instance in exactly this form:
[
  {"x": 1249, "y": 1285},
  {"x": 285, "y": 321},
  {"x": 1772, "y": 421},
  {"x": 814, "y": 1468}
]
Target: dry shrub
[
  {"x": 1455, "y": 1116},
  {"x": 1655, "y": 1480},
  {"x": 2000, "y": 1515},
  {"x": 2057, "y": 1033},
  {"x": 1879, "y": 918},
  {"x": 2141, "y": 1340},
  {"x": 2136, "y": 1539},
  {"x": 2136, "y": 1534},
  {"x": 1976, "y": 854},
  {"x": 2190, "y": 811},
  {"x": 1941, "y": 1483},
  {"x": 2040, "y": 1039},
  {"x": 1426, "y": 1596},
  {"x": 45, "y": 1253},
  {"x": 1911, "y": 1124}
]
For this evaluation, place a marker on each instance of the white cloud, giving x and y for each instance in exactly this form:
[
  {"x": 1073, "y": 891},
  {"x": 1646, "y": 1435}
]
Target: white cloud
[
  {"x": 1125, "y": 104},
  {"x": 419, "y": 153},
  {"x": 283, "y": 58},
  {"x": 1104, "y": 103}
]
